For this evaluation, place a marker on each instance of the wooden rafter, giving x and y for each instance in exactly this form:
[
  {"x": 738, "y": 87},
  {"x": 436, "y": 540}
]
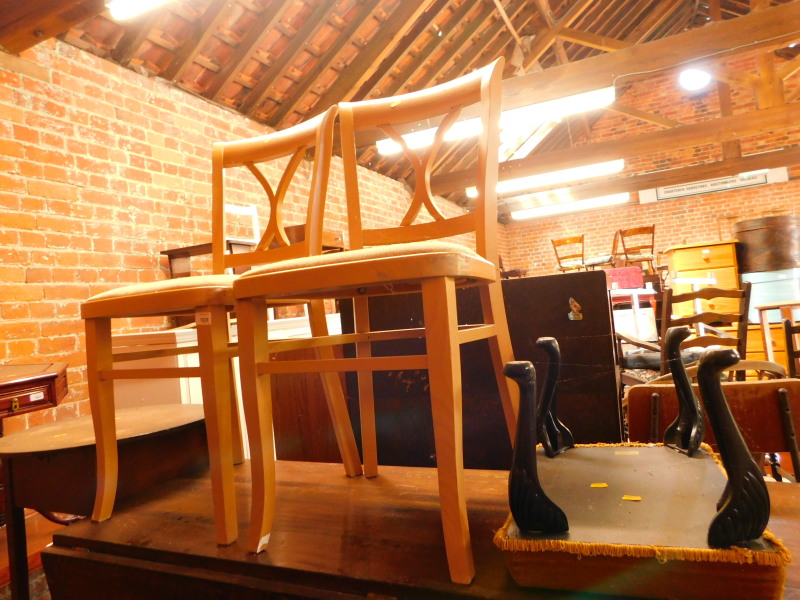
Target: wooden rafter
[
  {"x": 677, "y": 138},
  {"x": 260, "y": 92},
  {"x": 374, "y": 52},
  {"x": 300, "y": 89},
  {"x": 245, "y": 51},
  {"x": 398, "y": 51},
  {"x": 204, "y": 28}
]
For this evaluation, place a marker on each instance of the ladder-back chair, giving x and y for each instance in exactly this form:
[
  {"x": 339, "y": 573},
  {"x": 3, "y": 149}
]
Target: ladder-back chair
[
  {"x": 638, "y": 247},
  {"x": 209, "y": 299},
  {"x": 408, "y": 258},
  {"x": 712, "y": 308},
  {"x": 792, "y": 333},
  {"x": 569, "y": 253}
]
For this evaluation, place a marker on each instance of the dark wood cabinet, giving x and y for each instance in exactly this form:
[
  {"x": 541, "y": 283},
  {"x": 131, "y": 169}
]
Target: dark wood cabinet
[{"x": 588, "y": 396}]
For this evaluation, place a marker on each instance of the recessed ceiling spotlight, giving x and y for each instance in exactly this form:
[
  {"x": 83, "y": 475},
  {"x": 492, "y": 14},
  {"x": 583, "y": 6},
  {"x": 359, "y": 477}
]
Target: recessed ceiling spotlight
[{"x": 693, "y": 80}]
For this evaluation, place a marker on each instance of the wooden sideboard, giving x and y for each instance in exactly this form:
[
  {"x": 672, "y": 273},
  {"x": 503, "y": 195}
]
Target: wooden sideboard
[{"x": 700, "y": 261}]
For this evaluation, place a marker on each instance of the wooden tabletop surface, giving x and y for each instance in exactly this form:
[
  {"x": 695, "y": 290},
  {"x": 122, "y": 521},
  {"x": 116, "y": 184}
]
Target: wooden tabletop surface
[{"x": 381, "y": 534}]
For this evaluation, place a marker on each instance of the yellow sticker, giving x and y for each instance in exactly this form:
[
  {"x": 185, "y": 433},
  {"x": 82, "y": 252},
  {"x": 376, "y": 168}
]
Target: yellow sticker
[
  {"x": 632, "y": 498},
  {"x": 599, "y": 485}
]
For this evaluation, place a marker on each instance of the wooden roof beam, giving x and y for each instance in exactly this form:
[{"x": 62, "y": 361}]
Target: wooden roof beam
[
  {"x": 24, "y": 24},
  {"x": 686, "y": 136},
  {"x": 645, "y": 181},
  {"x": 771, "y": 28}
]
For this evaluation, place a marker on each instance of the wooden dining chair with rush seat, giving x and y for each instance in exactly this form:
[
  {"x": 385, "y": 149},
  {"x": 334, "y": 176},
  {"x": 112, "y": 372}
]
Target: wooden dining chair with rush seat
[
  {"x": 605, "y": 260},
  {"x": 209, "y": 300},
  {"x": 408, "y": 258},
  {"x": 569, "y": 253},
  {"x": 638, "y": 247}
]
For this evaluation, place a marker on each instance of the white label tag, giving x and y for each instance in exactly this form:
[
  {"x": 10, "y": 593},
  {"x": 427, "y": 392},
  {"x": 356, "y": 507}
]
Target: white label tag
[{"x": 204, "y": 318}]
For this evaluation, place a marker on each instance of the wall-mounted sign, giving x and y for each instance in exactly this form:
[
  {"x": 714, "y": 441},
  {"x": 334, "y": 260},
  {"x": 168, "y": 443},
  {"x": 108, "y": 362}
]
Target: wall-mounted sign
[{"x": 721, "y": 184}]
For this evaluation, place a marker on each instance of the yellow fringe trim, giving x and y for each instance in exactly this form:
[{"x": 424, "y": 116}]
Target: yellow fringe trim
[{"x": 779, "y": 556}]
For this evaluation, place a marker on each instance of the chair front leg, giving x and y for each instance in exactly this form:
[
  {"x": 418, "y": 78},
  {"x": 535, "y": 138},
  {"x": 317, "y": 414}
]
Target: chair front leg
[
  {"x": 215, "y": 378},
  {"x": 99, "y": 364},
  {"x": 444, "y": 371},
  {"x": 257, "y": 404}
]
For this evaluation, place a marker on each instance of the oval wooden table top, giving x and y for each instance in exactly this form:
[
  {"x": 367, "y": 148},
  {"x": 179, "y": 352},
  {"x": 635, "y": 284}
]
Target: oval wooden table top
[{"x": 78, "y": 432}]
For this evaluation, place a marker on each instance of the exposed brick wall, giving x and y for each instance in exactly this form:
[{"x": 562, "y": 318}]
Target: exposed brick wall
[
  {"x": 699, "y": 218},
  {"x": 100, "y": 170}
]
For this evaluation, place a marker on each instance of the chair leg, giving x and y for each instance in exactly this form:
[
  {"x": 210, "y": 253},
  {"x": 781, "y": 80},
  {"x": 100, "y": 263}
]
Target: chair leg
[
  {"x": 444, "y": 371},
  {"x": 99, "y": 363},
  {"x": 494, "y": 311},
  {"x": 257, "y": 403},
  {"x": 215, "y": 377},
  {"x": 236, "y": 426},
  {"x": 366, "y": 393},
  {"x": 334, "y": 395}
]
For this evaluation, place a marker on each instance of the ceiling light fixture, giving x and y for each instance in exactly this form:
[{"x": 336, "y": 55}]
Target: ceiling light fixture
[
  {"x": 569, "y": 206},
  {"x": 127, "y": 9},
  {"x": 694, "y": 80},
  {"x": 511, "y": 186},
  {"x": 514, "y": 118}
]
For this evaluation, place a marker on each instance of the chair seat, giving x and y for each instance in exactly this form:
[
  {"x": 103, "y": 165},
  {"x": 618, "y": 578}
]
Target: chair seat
[
  {"x": 638, "y": 257},
  {"x": 390, "y": 264},
  {"x": 597, "y": 260},
  {"x": 157, "y": 297}
]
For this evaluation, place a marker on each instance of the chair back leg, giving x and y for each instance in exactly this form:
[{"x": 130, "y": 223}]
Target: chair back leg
[{"x": 215, "y": 379}]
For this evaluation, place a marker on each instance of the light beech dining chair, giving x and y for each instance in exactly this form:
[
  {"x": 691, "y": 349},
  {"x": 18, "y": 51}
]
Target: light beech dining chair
[
  {"x": 209, "y": 300},
  {"x": 410, "y": 257}
]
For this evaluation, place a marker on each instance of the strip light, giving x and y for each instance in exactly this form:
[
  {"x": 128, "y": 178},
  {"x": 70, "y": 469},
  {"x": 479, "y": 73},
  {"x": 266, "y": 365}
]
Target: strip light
[
  {"x": 127, "y": 9},
  {"x": 510, "y": 119},
  {"x": 569, "y": 206},
  {"x": 511, "y": 186}
]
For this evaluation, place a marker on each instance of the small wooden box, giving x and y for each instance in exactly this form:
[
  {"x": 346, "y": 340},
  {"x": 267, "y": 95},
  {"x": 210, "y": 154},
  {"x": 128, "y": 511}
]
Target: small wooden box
[{"x": 25, "y": 388}]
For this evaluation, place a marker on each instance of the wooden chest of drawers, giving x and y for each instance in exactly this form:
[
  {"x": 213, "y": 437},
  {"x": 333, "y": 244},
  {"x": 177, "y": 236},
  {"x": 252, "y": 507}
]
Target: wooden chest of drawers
[{"x": 716, "y": 260}]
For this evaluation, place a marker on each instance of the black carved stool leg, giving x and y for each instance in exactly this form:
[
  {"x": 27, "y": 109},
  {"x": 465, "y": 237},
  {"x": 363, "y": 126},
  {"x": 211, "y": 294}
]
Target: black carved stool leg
[
  {"x": 531, "y": 508},
  {"x": 554, "y": 436},
  {"x": 743, "y": 509},
  {"x": 687, "y": 430}
]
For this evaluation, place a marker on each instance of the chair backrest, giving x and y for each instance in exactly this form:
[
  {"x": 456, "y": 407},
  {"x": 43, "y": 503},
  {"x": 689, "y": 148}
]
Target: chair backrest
[
  {"x": 705, "y": 318},
  {"x": 439, "y": 107},
  {"x": 569, "y": 252},
  {"x": 273, "y": 241},
  {"x": 638, "y": 243},
  {"x": 792, "y": 333}
]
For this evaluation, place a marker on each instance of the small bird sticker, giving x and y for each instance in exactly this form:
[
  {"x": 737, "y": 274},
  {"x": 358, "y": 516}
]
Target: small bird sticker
[{"x": 575, "y": 312}]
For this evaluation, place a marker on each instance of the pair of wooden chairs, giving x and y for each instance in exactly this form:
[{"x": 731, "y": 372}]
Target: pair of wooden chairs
[
  {"x": 631, "y": 247},
  {"x": 408, "y": 258}
]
